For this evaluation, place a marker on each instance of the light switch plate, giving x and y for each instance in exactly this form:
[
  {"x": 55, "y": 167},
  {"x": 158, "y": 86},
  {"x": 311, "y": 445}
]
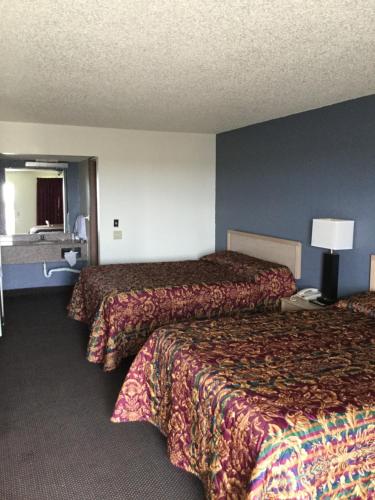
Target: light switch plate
[{"x": 117, "y": 235}]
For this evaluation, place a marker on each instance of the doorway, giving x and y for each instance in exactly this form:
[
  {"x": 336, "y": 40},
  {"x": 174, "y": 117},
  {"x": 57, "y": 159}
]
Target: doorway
[
  {"x": 93, "y": 250},
  {"x": 49, "y": 201},
  {"x": 61, "y": 189}
]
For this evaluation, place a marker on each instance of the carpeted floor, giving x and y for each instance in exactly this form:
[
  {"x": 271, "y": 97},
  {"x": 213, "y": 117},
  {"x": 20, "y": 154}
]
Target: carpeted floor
[{"x": 56, "y": 440}]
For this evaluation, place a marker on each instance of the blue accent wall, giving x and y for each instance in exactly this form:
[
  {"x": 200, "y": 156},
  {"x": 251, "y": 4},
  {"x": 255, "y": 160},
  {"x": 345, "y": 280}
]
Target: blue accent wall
[{"x": 273, "y": 178}]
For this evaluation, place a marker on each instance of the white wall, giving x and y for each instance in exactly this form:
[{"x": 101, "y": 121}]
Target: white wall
[{"x": 161, "y": 185}]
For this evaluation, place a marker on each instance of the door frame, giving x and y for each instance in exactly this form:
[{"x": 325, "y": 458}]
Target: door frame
[{"x": 93, "y": 247}]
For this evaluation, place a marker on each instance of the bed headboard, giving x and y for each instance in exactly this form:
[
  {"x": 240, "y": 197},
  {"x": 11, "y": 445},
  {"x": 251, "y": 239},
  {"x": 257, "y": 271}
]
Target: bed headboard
[
  {"x": 278, "y": 250},
  {"x": 372, "y": 273}
]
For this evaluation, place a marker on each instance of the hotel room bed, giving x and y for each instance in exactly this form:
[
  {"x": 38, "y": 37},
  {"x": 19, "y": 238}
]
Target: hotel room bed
[
  {"x": 123, "y": 303},
  {"x": 269, "y": 405}
]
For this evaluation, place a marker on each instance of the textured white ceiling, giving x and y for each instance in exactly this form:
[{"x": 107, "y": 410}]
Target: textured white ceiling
[{"x": 192, "y": 65}]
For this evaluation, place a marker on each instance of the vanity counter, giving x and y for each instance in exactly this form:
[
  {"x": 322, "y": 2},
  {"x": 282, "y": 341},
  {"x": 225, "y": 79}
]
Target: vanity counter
[{"x": 27, "y": 252}]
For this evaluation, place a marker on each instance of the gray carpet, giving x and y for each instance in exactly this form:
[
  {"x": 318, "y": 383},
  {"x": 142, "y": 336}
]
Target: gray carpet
[{"x": 56, "y": 440}]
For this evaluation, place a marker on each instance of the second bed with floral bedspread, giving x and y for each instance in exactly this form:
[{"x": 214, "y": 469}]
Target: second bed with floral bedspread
[
  {"x": 267, "y": 406},
  {"x": 125, "y": 303}
]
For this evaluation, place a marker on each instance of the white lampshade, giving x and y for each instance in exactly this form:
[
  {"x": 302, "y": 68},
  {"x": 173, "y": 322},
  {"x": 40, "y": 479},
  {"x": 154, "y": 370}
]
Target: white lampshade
[{"x": 334, "y": 234}]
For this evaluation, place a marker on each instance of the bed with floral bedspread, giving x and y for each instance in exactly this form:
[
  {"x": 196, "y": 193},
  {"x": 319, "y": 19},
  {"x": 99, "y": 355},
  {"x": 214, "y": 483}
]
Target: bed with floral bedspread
[
  {"x": 265, "y": 406},
  {"x": 125, "y": 303}
]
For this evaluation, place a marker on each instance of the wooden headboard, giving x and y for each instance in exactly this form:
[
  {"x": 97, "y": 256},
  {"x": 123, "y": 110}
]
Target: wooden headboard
[
  {"x": 372, "y": 273},
  {"x": 285, "y": 252}
]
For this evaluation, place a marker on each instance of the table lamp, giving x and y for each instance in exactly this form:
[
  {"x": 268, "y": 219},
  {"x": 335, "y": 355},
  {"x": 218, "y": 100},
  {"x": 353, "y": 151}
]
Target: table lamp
[{"x": 333, "y": 234}]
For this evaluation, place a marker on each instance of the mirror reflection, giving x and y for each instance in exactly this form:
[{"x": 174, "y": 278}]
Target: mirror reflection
[
  {"x": 34, "y": 200},
  {"x": 42, "y": 195}
]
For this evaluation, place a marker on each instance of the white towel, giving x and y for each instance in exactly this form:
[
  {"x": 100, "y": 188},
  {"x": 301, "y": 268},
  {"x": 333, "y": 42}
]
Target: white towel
[
  {"x": 80, "y": 227},
  {"x": 71, "y": 258}
]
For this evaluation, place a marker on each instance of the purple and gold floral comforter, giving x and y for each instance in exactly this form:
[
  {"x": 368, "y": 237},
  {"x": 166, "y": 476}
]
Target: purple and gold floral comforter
[
  {"x": 124, "y": 303},
  {"x": 265, "y": 406}
]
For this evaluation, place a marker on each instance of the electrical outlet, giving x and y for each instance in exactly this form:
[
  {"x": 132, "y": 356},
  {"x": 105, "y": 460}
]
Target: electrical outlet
[
  {"x": 115, "y": 222},
  {"x": 117, "y": 235}
]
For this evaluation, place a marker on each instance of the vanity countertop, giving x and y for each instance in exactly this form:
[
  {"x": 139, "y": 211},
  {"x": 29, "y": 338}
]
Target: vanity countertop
[
  {"x": 64, "y": 243},
  {"x": 37, "y": 250}
]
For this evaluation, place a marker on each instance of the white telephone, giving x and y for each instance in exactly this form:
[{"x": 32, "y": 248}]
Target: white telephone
[{"x": 306, "y": 294}]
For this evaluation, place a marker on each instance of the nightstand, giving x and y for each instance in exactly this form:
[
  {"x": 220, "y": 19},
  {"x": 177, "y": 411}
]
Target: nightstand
[{"x": 298, "y": 304}]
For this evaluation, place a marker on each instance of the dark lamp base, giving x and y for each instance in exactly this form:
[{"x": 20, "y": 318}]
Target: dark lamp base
[
  {"x": 330, "y": 277},
  {"x": 324, "y": 301}
]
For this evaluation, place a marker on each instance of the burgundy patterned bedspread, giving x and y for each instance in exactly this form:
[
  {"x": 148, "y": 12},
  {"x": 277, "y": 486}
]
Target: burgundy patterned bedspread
[
  {"x": 124, "y": 303},
  {"x": 267, "y": 406}
]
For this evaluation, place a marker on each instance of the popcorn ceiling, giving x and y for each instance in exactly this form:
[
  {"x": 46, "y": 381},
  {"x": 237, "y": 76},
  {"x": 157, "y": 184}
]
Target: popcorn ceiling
[{"x": 191, "y": 65}]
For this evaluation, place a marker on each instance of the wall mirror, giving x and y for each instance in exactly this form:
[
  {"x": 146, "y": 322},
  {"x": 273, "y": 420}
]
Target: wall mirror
[
  {"x": 34, "y": 200},
  {"x": 42, "y": 195}
]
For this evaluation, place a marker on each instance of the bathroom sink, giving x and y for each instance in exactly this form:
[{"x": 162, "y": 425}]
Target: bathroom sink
[
  {"x": 53, "y": 242},
  {"x": 44, "y": 242}
]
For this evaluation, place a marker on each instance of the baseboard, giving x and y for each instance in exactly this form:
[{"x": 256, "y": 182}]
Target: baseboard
[{"x": 37, "y": 291}]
